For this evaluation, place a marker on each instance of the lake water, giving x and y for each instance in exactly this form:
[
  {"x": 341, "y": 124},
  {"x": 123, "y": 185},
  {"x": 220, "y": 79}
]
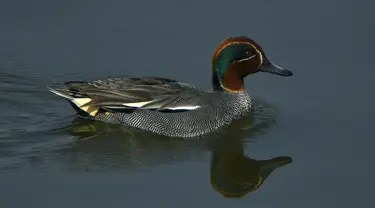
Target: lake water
[{"x": 310, "y": 145}]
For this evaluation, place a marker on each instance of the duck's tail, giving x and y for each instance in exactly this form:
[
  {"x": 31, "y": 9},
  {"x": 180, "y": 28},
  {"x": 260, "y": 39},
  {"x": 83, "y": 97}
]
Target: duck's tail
[{"x": 78, "y": 103}]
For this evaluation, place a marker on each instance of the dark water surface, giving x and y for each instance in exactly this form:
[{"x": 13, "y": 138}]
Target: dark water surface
[{"x": 310, "y": 145}]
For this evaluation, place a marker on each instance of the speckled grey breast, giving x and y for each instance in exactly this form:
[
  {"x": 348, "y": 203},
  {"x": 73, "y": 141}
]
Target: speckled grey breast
[{"x": 218, "y": 109}]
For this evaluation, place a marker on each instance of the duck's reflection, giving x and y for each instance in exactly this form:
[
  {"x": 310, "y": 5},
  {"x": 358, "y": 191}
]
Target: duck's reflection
[{"x": 234, "y": 175}]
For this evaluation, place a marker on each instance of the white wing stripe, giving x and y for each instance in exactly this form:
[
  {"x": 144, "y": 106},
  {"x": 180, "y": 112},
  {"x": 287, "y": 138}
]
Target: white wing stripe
[
  {"x": 141, "y": 104},
  {"x": 137, "y": 105},
  {"x": 184, "y": 108}
]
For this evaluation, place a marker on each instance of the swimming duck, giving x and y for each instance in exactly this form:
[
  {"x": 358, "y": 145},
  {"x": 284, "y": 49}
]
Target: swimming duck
[{"x": 172, "y": 108}]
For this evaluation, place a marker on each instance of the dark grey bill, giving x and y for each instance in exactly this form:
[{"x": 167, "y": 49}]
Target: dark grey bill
[{"x": 272, "y": 68}]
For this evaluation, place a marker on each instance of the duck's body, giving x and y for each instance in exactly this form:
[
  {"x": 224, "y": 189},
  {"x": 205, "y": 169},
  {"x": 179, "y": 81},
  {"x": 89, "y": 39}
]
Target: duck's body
[
  {"x": 178, "y": 110},
  {"x": 169, "y": 107}
]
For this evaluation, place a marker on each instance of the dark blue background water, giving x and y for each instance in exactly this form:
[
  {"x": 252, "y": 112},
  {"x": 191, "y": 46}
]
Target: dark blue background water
[{"x": 324, "y": 113}]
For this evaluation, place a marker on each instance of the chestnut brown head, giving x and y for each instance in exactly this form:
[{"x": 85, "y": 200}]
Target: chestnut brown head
[{"x": 236, "y": 57}]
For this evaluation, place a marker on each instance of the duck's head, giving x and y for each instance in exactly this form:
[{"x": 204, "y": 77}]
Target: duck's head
[{"x": 235, "y": 58}]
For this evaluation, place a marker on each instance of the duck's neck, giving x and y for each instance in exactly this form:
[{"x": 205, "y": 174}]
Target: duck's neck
[
  {"x": 229, "y": 83},
  {"x": 216, "y": 82}
]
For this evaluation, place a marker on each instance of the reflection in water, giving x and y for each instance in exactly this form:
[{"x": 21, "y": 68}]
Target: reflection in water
[
  {"x": 104, "y": 147},
  {"x": 234, "y": 175}
]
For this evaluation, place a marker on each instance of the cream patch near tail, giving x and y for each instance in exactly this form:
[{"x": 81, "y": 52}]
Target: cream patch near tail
[{"x": 79, "y": 102}]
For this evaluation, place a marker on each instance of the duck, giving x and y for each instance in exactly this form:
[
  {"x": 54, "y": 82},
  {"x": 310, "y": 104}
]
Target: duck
[{"x": 170, "y": 107}]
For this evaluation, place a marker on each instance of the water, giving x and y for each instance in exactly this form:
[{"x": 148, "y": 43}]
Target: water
[{"x": 316, "y": 125}]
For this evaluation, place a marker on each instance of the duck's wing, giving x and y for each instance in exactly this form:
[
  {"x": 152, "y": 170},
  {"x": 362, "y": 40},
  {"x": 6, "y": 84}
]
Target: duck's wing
[{"x": 117, "y": 94}]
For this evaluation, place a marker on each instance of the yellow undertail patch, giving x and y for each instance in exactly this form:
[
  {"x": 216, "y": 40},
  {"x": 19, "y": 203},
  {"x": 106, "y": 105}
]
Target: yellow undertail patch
[{"x": 79, "y": 102}]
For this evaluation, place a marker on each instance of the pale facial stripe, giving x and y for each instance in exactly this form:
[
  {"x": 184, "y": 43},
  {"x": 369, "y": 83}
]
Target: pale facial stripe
[
  {"x": 241, "y": 42},
  {"x": 247, "y": 58}
]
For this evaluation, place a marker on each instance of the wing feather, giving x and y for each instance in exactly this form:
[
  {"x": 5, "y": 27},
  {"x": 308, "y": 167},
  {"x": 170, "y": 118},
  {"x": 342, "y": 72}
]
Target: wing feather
[{"x": 148, "y": 93}]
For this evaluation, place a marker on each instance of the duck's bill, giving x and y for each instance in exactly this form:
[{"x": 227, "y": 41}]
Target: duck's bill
[
  {"x": 277, "y": 162},
  {"x": 272, "y": 164},
  {"x": 272, "y": 68}
]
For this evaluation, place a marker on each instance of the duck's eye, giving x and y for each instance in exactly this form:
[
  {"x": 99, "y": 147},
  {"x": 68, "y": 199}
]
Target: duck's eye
[{"x": 248, "y": 53}]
